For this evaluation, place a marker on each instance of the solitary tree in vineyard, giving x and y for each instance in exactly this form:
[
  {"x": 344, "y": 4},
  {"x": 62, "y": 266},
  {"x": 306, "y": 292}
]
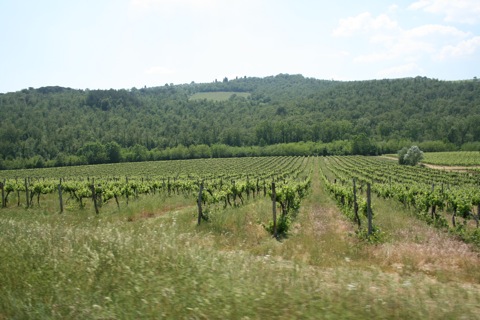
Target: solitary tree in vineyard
[{"x": 410, "y": 156}]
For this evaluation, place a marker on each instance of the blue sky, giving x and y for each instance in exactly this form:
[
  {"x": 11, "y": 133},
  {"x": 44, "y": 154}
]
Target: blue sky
[{"x": 102, "y": 44}]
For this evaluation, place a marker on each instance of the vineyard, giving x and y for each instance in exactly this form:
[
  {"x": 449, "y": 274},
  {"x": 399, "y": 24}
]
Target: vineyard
[
  {"x": 465, "y": 158},
  {"x": 211, "y": 182},
  {"x": 438, "y": 197},
  {"x": 203, "y": 168},
  {"x": 348, "y": 236}
]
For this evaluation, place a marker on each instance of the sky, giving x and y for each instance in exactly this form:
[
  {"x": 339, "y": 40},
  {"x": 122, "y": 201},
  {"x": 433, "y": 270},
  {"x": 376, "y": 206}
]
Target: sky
[{"x": 122, "y": 44}]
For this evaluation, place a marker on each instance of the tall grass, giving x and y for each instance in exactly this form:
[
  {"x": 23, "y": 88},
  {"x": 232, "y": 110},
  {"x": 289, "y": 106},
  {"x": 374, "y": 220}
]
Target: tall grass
[{"x": 414, "y": 246}]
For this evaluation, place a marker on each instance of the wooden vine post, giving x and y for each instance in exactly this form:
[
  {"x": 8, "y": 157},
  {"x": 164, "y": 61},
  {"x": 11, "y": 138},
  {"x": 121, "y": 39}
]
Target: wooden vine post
[
  {"x": 18, "y": 193},
  {"x": 478, "y": 214},
  {"x": 60, "y": 199},
  {"x": 454, "y": 214},
  {"x": 2, "y": 186},
  {"x": 127, "y": 189},
  {"x": 94, "y": 197},
  {"x": 434, "y": 207},
  {"x": 234, "y": 189},
  {"x": 26, "y": 193},
  {"x": 274, "y": 210},
  {"x": 355, "y": 204},
  {"x": 369, "y": 210},
  {"x": 199, "y": 204},
  {"x": 116, "y": 200},
  {"x": 169, "y": 186}
]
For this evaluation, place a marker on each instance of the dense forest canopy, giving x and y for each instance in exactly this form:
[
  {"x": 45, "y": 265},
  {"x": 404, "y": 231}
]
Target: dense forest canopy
[{"x": 283, "y": 114}]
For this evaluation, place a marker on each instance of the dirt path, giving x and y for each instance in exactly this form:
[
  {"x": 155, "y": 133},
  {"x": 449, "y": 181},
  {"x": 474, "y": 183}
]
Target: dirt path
[
  {"x": 389, "y": 158},
  {"x": 325, "y": 212},
  {"x": 327, "y": 230},
  {"x": 450, "y": 168}
]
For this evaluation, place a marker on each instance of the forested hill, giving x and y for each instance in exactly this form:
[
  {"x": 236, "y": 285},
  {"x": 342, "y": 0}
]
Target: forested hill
[{"x": 60, "y": 126}]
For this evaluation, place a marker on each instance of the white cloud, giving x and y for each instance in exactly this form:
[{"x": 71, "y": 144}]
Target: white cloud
[
  {"x": 393, "y": 8},
  {"x": 159, "y": 70},
  {"x": 169, "y": 8},
  {"x": 463, "y": 11},
  {"x": 403, "y": 49},
  {"x": 364, "y": 22},
  {"x": 463, "y": 48},
  {"x": 375, "y": 57},
  {"x": 435, "y": 29},
  {"x": 388, "y": 41},
  {"x": 405, "y": 70},
  {"x": 146, "y": 4}
]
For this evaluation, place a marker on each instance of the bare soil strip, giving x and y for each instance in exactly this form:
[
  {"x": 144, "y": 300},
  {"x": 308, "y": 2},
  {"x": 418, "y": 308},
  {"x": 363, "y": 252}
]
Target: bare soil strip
[{"x": 450, "y": 168}]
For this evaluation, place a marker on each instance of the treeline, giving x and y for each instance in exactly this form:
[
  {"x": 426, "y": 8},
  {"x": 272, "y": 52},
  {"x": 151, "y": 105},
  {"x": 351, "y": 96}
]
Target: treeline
[
  {"x": 97, "y": 153},
  {"x": 61, "y": 126}
]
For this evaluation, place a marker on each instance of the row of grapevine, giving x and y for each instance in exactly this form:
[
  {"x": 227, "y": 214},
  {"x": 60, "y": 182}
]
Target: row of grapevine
[
  {"x": 355, "y": 205},
  {"x": 181, "y": 169},
  {"x": 247, "y": 178},
  {"x": 433, "y": 194}
]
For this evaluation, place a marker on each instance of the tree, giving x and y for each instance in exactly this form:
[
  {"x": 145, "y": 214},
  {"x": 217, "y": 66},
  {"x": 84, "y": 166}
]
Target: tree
[
  {"x": 281, "y": 111},
  {"x": 113, "y": 151},
  {"x": 410, "y": 156},
  {"x": 137, "y": 153},
  {"x": 401, "y": 155},
  {"x": 94, "y": 153},
  {"x": 362, "y": 145}
]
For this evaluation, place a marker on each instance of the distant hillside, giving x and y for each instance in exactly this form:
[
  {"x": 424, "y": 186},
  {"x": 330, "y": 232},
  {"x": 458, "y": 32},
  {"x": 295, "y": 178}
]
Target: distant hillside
[{"x": 61, "y": 126}]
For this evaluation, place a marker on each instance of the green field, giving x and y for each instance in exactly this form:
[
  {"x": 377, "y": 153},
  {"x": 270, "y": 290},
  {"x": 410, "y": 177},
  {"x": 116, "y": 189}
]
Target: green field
[
  {"x": 451, "y": 158},
  {"x": 459, "y": 158},
  {"x": 148, "y": 259},
  {"x": 218, "y": 95},
  {"x": 150, "y": 169}
]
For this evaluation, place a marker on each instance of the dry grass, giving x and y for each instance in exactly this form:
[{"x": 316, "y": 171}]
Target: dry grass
[
  {"x": 414, "y": 246},
  {"x": 149, "y": 213},
  {"x": 447, "y": 256}
]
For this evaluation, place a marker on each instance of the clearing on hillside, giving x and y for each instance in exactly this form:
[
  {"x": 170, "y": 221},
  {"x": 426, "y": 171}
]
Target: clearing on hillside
[{"x": 218, "y": 96}]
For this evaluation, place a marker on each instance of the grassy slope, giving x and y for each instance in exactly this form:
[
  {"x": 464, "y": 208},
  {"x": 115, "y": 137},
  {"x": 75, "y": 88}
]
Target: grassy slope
[
  {"x": 458, "y": 158},
  {"x": 149, "y": 260},
  {"x": 218, "y": 96}
]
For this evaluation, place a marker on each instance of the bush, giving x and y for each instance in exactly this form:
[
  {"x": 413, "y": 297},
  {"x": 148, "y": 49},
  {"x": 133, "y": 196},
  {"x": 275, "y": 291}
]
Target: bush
[{"x": 410, "y": 156}]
